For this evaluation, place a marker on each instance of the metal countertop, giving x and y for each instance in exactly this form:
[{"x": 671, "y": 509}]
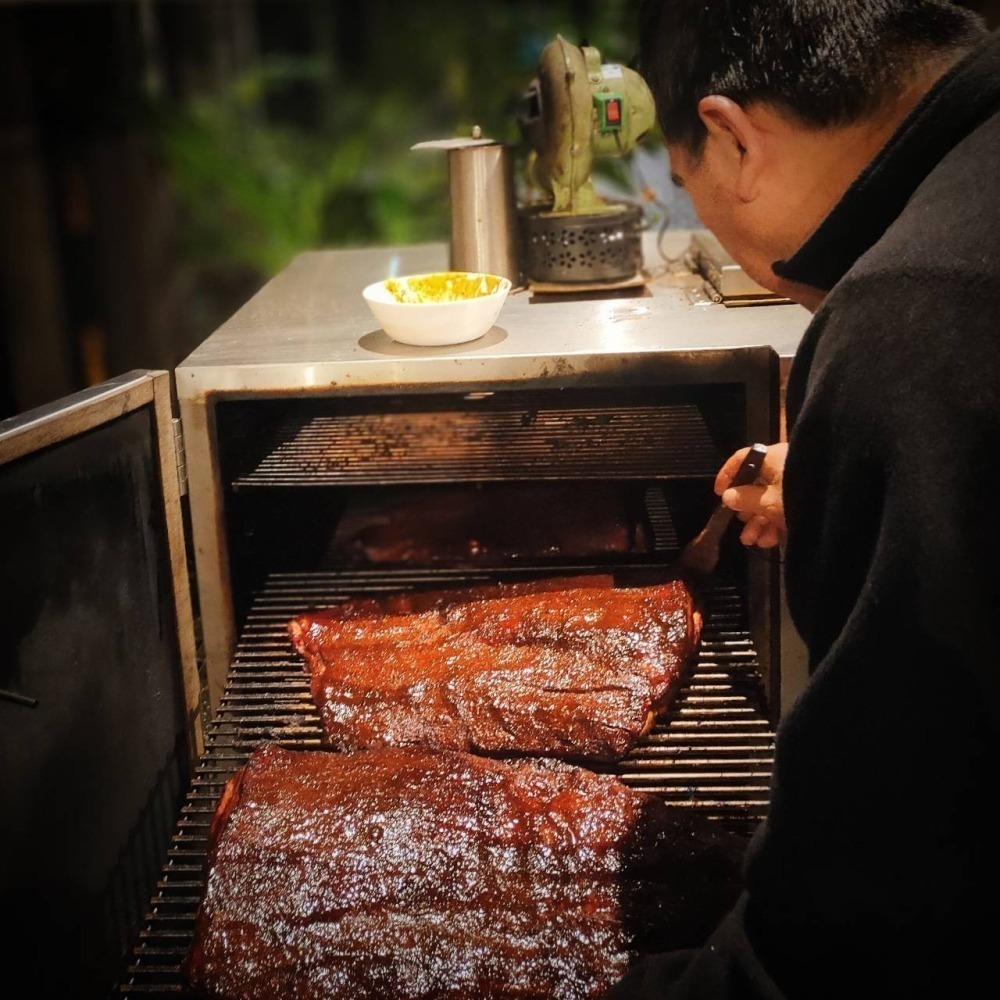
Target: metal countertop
[{"x": 309, "y": 328}]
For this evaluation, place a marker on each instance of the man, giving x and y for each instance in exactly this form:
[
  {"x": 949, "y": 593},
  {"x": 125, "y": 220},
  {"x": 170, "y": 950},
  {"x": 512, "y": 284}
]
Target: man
[{"x": 847, "y": 153}]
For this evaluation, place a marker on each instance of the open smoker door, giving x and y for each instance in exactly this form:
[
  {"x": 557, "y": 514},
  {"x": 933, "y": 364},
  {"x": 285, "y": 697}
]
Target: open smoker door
[{"x": 99, "y": 689}]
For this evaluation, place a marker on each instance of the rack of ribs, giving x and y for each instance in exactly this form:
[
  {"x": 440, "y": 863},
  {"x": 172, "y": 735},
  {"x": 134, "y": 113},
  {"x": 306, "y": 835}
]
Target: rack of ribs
[
  {"x": 404, "y": 874},
  {"x": 492, "y": 523},
  {"x": 567, "y": 668}
]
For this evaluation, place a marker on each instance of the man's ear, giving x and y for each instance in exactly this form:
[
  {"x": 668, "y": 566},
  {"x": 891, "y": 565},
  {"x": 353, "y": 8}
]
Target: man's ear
[{"x": 737, "y": 140}]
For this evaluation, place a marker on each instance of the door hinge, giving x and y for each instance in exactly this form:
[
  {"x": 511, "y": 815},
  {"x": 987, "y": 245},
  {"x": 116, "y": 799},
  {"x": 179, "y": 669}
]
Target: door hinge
[{"x": 179, "y": 456}]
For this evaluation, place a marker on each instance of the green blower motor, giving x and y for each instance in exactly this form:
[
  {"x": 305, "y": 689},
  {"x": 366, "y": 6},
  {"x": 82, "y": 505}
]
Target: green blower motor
[{"x": 576, "y": 110}]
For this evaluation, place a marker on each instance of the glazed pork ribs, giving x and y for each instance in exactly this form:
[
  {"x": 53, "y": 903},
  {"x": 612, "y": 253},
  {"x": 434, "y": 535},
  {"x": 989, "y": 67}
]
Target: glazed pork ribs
[
  {"x": 492, "y": 523},
  {"x": 571, "y": 668},
  {"x": 404, "y": 874}
]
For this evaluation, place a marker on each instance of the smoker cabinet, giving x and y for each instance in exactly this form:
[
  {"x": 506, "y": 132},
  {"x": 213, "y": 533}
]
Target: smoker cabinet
[
  {"x": 295, "y": 410},
  {"x": 307, "y": 340}
]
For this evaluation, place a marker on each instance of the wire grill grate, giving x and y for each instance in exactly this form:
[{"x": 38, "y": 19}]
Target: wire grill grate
[
  {"x": 445, "y": 446},
  {"x": 713, "y": 750}
]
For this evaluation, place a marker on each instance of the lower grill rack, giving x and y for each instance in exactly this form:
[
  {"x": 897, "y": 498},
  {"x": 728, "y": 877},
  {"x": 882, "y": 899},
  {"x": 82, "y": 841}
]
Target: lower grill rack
[{"x": 713, "y": 751}]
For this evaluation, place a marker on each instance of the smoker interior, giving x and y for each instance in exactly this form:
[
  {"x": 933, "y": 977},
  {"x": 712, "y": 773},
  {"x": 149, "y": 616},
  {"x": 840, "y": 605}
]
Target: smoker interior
[{"x": 293, "y": 467}]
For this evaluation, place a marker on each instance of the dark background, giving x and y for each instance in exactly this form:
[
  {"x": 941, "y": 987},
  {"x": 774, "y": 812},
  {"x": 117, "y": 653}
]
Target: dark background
[{"x": 161, "y": 159}]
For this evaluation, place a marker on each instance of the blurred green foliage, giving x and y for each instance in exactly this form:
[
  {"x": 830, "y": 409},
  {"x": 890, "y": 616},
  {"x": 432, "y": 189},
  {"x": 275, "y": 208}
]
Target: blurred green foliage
[
  {"x": 260, "y": 191},
  {"x": 309, "y": 149}
]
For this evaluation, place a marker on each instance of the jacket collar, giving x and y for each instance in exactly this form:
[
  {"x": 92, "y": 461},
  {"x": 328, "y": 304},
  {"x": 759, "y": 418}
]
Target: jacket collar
[{"x": 960, "y": 101}]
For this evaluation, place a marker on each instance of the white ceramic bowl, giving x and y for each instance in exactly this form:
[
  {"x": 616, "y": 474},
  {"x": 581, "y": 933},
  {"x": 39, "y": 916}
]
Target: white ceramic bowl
[{"x": 441, "y": 307}]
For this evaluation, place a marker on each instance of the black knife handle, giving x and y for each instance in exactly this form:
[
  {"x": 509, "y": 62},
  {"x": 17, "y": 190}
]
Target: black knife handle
[{"x": 750, "y": 467}]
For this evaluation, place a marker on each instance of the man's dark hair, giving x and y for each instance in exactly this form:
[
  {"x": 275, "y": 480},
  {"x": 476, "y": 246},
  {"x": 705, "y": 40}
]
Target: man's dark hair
[{"x": 828, "y": 62}]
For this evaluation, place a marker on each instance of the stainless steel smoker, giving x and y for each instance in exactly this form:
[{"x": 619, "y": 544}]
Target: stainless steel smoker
[{"x": 142, "y": 686}]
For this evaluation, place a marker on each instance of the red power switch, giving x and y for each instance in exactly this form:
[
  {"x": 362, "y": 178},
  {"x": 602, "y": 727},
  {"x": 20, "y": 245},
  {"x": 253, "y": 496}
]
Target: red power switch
[{"x": 610, "y": 111}]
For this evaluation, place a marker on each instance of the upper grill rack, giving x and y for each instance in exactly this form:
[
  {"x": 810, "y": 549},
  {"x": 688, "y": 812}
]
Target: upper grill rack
[
  {"x": 509, "y": 443},
  {"x": 712, "y": 752}
]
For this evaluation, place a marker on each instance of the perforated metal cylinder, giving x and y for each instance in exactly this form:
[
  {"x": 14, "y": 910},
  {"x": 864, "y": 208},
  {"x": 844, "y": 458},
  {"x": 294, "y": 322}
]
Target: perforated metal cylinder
[{"x": 577, "y": 249}]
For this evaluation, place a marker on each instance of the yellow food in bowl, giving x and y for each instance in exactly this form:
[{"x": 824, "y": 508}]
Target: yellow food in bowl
[
  {"x": 447, "y": 286},
  {"x": 437, "y": 308}
]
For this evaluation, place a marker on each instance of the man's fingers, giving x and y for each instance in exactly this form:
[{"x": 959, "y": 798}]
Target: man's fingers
[
  {"x": 760, "y": 508},
  {"x": 761, "y": 532},
  {"x": 765, "y": 500},
  {"x": 744, "y": 498},
  {"x": 770, "y": 536},
  {"x": 752, "y": 530},
  {"x": 729, "y": 469}
]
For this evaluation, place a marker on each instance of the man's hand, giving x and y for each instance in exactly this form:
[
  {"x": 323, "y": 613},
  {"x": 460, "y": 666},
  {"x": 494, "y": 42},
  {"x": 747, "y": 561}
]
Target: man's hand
[{"x": 759, "y": 507}]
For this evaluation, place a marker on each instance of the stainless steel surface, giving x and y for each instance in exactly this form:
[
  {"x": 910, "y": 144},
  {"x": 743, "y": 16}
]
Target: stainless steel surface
[
  {"x": 309, "y": 330},
  {"x": 713, "y": 752},
  {"x": 75, "y": 414},
  {"x": 483, "y": 211}
]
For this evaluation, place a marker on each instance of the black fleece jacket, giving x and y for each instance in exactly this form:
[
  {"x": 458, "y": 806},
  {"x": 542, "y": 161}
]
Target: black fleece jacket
[{"x": 875, "y": 873}]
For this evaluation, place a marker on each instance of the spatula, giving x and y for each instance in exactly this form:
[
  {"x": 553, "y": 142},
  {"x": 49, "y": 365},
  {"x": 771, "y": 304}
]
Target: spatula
[{"x": 701, "y": 555}]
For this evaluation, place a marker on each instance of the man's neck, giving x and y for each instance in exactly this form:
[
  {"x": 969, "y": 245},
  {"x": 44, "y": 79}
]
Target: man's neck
[
  {"x": 854, "y": 146},
  {"x": 818, "y": 165}
]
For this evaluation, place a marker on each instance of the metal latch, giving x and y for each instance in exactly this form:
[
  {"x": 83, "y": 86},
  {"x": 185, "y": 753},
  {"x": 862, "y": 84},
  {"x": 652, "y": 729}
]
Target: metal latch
[
  {"x": 180, "y": 457},
  {"x": 17, "y": 698}
]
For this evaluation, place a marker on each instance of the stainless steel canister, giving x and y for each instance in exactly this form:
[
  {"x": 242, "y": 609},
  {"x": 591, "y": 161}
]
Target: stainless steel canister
[{"x": 483, "y": 210}]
